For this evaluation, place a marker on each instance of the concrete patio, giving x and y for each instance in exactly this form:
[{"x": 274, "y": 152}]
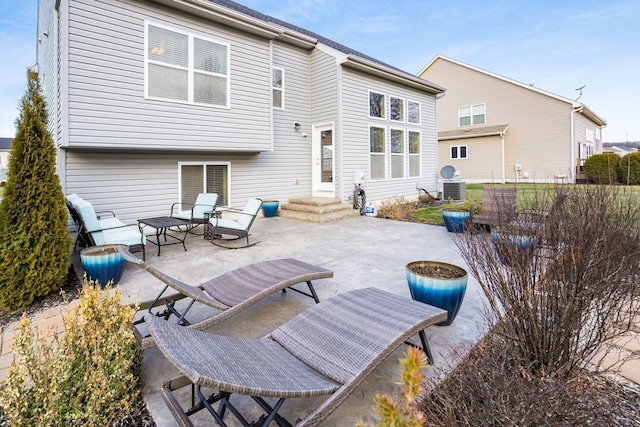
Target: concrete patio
[{"x": 362, "y": 252}]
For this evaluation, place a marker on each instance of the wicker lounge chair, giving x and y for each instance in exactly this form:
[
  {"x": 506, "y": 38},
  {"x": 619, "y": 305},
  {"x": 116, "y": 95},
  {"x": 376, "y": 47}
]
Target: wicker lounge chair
[
  {"x": 230, "y": 293},
  {"x": 327, "y": 350},
  {"x": 219, "y": 227},
  {"x": 197, "y": 213}
]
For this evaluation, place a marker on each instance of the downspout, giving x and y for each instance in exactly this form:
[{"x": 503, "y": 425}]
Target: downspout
[
  {"x": 504, "y": 160},
  {"x": 271, "y": 136},
  {"x": 573, "y": 162},
  {"x": 338, "y": 133}
]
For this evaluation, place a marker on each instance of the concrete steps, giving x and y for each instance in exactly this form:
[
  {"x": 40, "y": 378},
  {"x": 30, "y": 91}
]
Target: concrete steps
[{"x": 317, "y": 209}]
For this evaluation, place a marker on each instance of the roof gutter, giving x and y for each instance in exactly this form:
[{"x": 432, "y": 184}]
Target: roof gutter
[
  {"x": 224, "y": 16},
  {"x": 370, "y": 67},
  {"x": 585, "y": 111},
  {"x": 238, "y": 20}
]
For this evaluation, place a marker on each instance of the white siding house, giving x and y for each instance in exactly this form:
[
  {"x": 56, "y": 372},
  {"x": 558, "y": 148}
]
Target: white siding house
[{"x": 154, "y": 102}]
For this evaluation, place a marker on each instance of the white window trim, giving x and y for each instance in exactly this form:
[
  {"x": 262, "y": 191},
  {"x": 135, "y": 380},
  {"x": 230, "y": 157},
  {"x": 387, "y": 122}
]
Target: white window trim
[
  {"x": 419, "y": 113},
  {"x": 459, "y": 158},
  {"x": 419, "y": 154},
  {"x": 386, "y": 97},
  {"x": 190, "y": 68},
  {"x": 471, "y": 116},
  {"x": 404, "y": 109},
  {"x": 403, "y": 154},
  {"x": 385, "y": 154},
  {"x": 275, "y": 88},
  {"x": 204, "y": 177}
]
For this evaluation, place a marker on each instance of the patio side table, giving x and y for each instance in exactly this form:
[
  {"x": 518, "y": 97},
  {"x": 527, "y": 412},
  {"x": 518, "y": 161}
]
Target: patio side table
[{"x": 161, "y": 224}]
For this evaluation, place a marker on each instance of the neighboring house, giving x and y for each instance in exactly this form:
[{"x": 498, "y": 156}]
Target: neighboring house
[
  {"x": 620, "y": 150},
  {"x": 495, "y": 129},
  {"x": 153, "y": 102},
  {"x": 5, "y": 147}
]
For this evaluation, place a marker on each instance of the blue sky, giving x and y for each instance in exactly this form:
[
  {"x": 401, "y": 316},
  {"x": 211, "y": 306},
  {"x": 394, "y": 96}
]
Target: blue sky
[{"x": 555, "y": 45}]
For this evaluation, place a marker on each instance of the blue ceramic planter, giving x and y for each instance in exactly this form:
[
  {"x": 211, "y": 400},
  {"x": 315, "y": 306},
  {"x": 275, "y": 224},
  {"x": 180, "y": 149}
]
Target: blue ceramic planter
[
  {"x": 440, "y": 292},
  {"x": 510, "y": 246},
  {"x": 456, "y": 222},
  {"x": 270, "y": 208},
  {"x": 103, "y": 264}
]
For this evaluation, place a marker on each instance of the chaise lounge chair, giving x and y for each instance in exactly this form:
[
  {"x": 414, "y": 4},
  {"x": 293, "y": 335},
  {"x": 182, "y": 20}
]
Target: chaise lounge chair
[
  {"x": 230, "y": 293},
  {"x": 327, "y": 350}
]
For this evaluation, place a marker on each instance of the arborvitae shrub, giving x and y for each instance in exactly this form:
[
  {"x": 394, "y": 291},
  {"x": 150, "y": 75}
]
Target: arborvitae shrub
[
  {"x": 88, "y": 376},
  {"x": 602, "y": 168},
  {"x": 629, "y": 169},
  {"x": 35, "y": 245}
]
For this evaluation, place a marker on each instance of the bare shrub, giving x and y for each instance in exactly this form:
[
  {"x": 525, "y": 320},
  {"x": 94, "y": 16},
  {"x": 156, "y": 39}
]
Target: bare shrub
[
  {"x": 492, "y": 386},
  {"x": 562, "y": 298},
  {"x": 397, "y": 208}
]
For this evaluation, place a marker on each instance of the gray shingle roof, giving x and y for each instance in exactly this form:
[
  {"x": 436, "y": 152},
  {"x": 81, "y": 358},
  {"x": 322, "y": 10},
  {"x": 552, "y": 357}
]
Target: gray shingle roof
[
  {"x": 266, "y": 18},
  {"x": 5, "y": 143}
]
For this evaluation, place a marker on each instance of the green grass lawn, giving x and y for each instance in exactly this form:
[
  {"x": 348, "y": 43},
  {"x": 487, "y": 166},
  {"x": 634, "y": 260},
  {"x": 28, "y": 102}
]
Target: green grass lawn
[{"x": 526, "y": 193}]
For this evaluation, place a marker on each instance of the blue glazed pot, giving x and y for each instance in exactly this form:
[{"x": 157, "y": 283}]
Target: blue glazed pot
[
  {"x": 103, "y": 264},
  {"x": 440, "y": 292},
  {"x": 456, "y": 222},
  {"x": 510, "y": 246},
  {"x": 270, "y": 208}
]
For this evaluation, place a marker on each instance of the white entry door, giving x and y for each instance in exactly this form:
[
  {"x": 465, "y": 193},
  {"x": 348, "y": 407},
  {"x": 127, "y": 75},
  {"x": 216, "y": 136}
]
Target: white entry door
[{"x": 323, "y": 161}]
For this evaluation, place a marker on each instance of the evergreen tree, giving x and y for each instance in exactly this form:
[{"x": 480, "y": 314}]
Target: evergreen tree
[{"x": 35, "y": 245}]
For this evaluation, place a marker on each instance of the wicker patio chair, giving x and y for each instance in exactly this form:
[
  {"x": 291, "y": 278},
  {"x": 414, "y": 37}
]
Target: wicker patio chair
[
  {"x": 198, "y": 212},
  {"x": 327, "y": 350},
  {"x": 498, "y": 206},
  {"x": 219, "y": 227},
  {"x": 229, "y": 293}
]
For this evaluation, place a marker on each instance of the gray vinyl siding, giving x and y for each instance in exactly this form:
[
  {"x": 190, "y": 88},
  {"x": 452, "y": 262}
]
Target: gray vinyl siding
[
  {"x": 355, "y": 136},
  {"x": 106, "y": 84},
  {"x": 325, "y": 105},
  {"x": 46, "y": 58}
]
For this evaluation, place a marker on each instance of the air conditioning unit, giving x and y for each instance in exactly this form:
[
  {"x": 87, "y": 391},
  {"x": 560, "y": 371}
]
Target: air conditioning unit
[{"x": 454, "y": 190}]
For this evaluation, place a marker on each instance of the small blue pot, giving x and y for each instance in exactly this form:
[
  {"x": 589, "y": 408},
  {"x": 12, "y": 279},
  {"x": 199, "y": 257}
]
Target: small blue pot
[
  {"x": 103, "y": 264},
  {"x": 270, "y": 208},
  {"x": 510, "y": 246},
  {"x": 447, "y": 294},
  {"x": 456, "y": 222}
]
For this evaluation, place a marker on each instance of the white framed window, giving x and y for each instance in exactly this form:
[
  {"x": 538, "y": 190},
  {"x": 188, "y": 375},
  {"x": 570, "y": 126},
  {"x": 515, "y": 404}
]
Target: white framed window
[
  {"x": 277, "y": 87},
  {"x": 377, "y": 153},
  {"x": 413, "y": 112},
  {"x": 458, "y": 152},
  {"x": 397, "y": 148},
  {"x": 414, "y": 154},
  {"x": 182, "y": 67},
  {"x": 589, "y": 135},
  {"x": 204, "y": 177},
  {"x": 396, "y": 109},
  {"x": 377, "y": 102},
  {"x": 472, "y": 114}
]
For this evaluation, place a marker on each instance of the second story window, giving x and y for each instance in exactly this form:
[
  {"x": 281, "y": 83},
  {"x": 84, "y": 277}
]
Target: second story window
[
  {"x": 413, "y": 112},
  {"x": 376, "y": 105},
  {"x": 277, "y": 87},
  {"x": 472, "y": 114},
  {"x": 396, "y": 107},
  {"x": 185, "y": 68}
]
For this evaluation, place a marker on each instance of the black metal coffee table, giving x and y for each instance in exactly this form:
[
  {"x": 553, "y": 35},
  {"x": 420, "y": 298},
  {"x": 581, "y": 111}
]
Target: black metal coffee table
[{"x": 161, "y": 225}]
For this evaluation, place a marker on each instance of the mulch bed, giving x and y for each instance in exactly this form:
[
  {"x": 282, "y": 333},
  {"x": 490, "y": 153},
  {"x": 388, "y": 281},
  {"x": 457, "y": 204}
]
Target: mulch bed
[{"x": 490, "y": 388}]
